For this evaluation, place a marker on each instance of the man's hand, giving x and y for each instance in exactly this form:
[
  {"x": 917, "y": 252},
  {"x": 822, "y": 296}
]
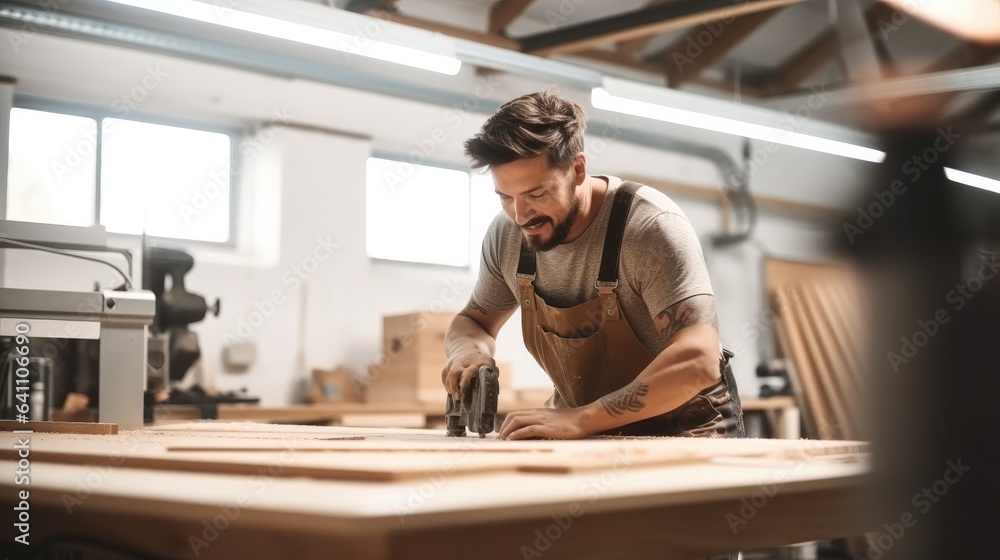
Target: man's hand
[
  {"x": 544, "y": 423},
  {"x": 461, "y": 368},
  {"x": 469, "y": 344}
]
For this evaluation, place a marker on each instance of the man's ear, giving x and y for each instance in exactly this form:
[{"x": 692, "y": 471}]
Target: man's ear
[{"x": 580, "y": 168}]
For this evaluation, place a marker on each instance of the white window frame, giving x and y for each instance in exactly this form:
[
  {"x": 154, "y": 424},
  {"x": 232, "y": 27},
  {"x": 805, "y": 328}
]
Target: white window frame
[
  {"x": 473, "y": 249},
  {"x": 235, "y": 134}
]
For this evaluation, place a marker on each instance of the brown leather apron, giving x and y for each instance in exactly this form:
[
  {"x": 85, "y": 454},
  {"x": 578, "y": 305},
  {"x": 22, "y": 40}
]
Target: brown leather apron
[{"x": 589, "y": 350}]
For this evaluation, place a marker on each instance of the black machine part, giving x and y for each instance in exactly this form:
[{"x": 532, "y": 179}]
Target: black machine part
[
  {"x": 477, "y": 410},
  {"x": 175, "y": 307}
]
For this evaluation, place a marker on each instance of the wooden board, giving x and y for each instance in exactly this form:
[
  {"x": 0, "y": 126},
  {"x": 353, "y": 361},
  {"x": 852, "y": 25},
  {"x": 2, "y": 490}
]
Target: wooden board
[
  {"x": 820, "y": 332},
  {"x": 373, "y": 455},
  {"x": 99, "y": 428},
  {"x": 812, "y": 491}
]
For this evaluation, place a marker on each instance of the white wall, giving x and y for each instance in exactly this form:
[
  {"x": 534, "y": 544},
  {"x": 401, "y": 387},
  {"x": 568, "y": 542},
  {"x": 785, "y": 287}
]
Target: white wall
[{"x": 306, "y": 182}]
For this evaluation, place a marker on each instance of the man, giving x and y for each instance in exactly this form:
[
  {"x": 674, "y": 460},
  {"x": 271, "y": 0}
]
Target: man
[{"x": 615, "y": 298}]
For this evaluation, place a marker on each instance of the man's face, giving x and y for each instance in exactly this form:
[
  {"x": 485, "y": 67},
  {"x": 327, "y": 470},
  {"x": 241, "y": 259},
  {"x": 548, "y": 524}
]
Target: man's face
[{"x": 539, "y": 198}]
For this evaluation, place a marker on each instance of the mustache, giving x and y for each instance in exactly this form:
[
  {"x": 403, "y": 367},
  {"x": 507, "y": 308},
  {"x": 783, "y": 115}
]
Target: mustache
[{"x": 536, "y": 221}]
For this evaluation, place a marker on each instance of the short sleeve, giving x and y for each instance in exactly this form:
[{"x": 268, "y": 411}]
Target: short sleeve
[
  {"x": 668, "y": 262},
  {"x": 491, "y": 292}
]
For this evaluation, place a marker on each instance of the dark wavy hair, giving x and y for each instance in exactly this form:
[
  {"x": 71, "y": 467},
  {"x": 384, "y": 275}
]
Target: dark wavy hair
[{"x": 531, "y": 125}]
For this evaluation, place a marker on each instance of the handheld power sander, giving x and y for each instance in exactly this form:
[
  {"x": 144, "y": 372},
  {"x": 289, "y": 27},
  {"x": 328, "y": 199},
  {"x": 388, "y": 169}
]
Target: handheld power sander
[{"x": 478, "y": 408}]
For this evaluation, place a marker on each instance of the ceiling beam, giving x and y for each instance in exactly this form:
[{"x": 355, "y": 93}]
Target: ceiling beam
[
  {"x": 948, "y": 105},
  {"x": 459, "y": 32},
  {"x": 621, "y": 59},
  {"x": 859, "y": 60},
  {"x": 504, "y": 12},
  {"x": 642, "y": 23},
  {"x": 809, "y": 59},
  {"x": 977, "y": 112},
  {"x": 682, "y": 62},
  {"x": 635, "y": 46},
  {"x": 614, "y": 57},
  {"x": 964, "y": 55}
]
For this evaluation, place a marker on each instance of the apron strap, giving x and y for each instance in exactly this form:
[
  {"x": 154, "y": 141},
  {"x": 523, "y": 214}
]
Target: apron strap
[
  {"x": 608, "y": 274},
  {"x": 526, "y": 262},
  {"x": 525, "y": 276}
]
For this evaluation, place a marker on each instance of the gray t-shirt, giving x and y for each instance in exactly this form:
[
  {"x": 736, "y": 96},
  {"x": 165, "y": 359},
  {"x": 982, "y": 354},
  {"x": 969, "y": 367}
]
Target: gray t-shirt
[{"x": 661, "y": 263}]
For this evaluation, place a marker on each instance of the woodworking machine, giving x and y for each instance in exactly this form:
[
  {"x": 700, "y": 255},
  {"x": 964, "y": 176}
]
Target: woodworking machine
[
  {"x": 477, "y": 410},
  {"x": 74, "y": 333}
]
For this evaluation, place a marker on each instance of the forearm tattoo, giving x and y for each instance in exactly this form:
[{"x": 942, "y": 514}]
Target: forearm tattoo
[
  {"x": 695, "y": 310},
  {"x": 626, "y": 399}
]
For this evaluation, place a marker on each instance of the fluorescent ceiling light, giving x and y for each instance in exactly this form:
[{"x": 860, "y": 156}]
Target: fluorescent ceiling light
[
  {"x": 356, "y": 41},
  {"x": 687, "y": 109},
  {"x": 972, "y": 180}
]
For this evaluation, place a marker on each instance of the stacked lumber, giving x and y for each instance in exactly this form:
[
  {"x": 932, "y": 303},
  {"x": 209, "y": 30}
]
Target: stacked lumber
[
  {"x": 413, "y": 356},
  {"x": 820, "y": 331}
]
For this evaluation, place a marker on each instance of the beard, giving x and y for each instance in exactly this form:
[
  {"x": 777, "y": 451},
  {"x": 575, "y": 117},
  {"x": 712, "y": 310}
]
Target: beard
[{"x": 559, "y": 231}]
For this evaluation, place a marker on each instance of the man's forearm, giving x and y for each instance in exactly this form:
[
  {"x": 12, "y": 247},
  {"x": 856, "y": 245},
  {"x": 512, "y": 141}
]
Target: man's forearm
[
  {"x": 675, "y": 376},
  {"x": 465, "y": 334}
]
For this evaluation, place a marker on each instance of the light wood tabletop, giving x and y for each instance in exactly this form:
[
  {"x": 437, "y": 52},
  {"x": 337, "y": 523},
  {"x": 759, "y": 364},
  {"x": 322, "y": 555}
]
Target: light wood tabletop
[{"x": 248, "y": 490}]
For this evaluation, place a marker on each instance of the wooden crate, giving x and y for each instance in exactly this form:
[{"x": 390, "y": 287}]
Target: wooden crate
[
  {"x": 413, "y": 357},
  {"x": 409, "y": 369},
  {"x": 333, "y": 386}
]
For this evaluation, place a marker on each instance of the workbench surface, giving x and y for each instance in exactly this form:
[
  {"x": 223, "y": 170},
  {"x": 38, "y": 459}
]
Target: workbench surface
[{"x": 244, "y": 490}]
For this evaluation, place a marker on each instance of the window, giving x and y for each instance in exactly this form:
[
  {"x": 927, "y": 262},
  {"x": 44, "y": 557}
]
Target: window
[
  {"x": 424, "y": 214},
  {"x": 52, "y": 168},
  {"x": 165, "y": 180},
  {"x": 132, "y": 176}
]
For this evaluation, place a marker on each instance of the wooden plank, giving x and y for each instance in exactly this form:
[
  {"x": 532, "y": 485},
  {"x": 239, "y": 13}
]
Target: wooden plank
[
  {"x": 641, "y": 23},
  {"x": 819, "y": 335},
  {"x": 613, "y": 57},
  {"x": 97, "y": 428},
  {"x": 845, "y": 329},
  {"x": 837, "y": 380},
  {"x": 673, "y": 188},
  {"x": 142, "y": 510},
  {"x": 504, "y": 12},
  {"x": 819, "y": 368},
  {"x": 451, "y": 30},
  {"x": 634, "y": 46},
  {"x": 809, "y": 59},
  {"x": 768, "y": 403},
  {"x": 384, "y": 420},
  {"x": 680, "y": 67},
  {"x": 347, "y": 458}
]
